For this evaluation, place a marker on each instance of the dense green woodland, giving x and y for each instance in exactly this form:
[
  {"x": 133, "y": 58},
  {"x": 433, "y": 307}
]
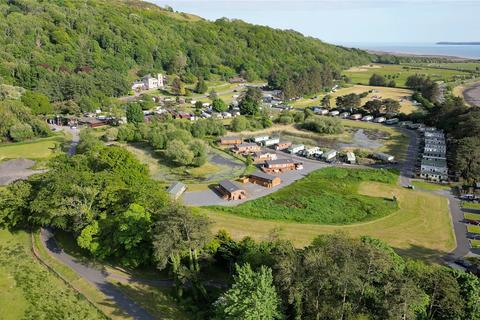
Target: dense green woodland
[{"x": 92, "y": 49}]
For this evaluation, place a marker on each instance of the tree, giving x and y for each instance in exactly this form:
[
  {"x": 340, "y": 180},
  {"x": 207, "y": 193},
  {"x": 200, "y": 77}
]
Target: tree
[
  {"x": 178, "y": 88},
  {"x": 326, "y": 101},
  {"x": 213, "y": 95},
  {"x": 252, "y": 296},
  {"x": 250, "y": 103},
  {"x": 219, "y": 105},
  {"x": 351, "y": 100},
  {"x": 324, "y": 125},
  {"x": 391, "y": 106},
  {"x": 37, "y": 102},
  {"x": 467, "y": 159},
  {"x": 199, "y": 150},
  {"x": 201, "y": 86},
  {"x": 392, "y": 84},
  {"x": 134, "y": 113},
  {"x": 179, "y": 234},
  {"x": 240, "y": 124},
  {"x": 179, "y": 152},
  {"x": 377, "y": 80}
]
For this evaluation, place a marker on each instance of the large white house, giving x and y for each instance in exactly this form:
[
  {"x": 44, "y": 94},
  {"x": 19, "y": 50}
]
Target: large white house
[{"x": 148, "y": 82}]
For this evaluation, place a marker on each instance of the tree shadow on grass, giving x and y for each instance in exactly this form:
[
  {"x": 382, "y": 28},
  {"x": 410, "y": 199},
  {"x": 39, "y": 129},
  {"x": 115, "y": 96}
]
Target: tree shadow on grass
[{"x": 425, "y": 254}]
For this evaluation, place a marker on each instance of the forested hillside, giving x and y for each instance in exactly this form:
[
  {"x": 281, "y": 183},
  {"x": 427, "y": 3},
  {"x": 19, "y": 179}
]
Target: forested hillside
[{"x": 89, "y": 50}]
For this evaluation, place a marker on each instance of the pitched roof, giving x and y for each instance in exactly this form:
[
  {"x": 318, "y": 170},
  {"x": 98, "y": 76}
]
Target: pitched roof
[
  {"x": 263, "y": 175},
  {"x": 278, "y": 161},
  {"x": 229, "y": 186},
  {"x": 176, "y": 187}
]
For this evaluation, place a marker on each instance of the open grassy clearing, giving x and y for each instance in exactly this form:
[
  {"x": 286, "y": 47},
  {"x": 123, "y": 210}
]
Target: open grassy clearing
[
  {"x": 159, "y": 302},
  {"x": 473, "y": 229},
  {"x": 362, "y": 75},
  {"x": 420, "y": 228},
  {"x": 430, "y": 186},
  {"x": 36, "y": 292},
  {"x": 219, "y": 166},
  {"x": 399, "y": 94},
  {"x": 39, "y": 149},
  {"x": 470, "y": 205},
  {"x": 463, "y": 66},
  {"x": 326, "y": 196}
]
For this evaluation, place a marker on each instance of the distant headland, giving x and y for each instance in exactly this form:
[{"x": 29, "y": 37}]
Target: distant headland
[{"x": 459, "y": 43}]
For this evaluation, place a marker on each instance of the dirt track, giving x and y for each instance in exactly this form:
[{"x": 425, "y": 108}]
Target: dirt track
[{"x": 16, "y": 169}]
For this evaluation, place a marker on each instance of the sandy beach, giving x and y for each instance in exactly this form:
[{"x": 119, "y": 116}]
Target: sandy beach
[{"x": 472, "y": 94}]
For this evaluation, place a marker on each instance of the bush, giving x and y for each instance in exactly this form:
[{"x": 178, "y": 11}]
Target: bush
[
  {"x": 323, "y": 125},
  {"x": 240, "y": 123},
  {"x": 21, "y": 132}
]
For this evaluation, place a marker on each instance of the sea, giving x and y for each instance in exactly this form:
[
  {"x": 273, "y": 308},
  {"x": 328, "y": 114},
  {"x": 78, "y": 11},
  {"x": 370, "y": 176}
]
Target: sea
[{"x": 461, "y": 51}]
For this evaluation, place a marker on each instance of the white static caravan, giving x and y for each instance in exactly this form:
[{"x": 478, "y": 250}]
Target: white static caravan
[
  {"x": 329, "y": 155},
  {"x": 367, "y": 118},
  {"x": 334, "y": 113},
  {"x": 392, "y": 121},
  {"x": 271, "y": 142},
  {"x": 344, "y": 115},
  {"x": 296, "y": 148},
  {"x": 260, "y": 139},
  {"x": 379, "y": 120},
  {"x": 384, "y": 157},
  {"x": 356, "y": 116},
  {"x": 351, "y": 158},
  {"x": 312, "y": 151}
]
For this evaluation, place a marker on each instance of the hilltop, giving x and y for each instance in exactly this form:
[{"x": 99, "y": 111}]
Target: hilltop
[{"x": 74, "y": 50}]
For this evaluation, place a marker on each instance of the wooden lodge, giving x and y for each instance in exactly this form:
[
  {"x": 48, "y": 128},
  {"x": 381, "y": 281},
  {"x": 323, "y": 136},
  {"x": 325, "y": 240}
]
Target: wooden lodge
[
  {"x": 281, "y": 165},
  {"x": 260, "y": 157},
  {"x": 283, "y": 145},
  {"x": 230, "y": 191},
  {"x": 246, "y": 148},
  {"x": 264, "y": 179},
  {"x": 230, "y": 141}
]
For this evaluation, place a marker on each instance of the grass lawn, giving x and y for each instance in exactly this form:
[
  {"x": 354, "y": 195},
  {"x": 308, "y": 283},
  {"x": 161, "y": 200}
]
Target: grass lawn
[
  {"x": 420, "y": 228},
  {"x": 158, "y": 301},
  {"x": 39, "y": 149},
  {"x": 33, "y": 291},
  {"x": 430, "y": 186},
  {"x": 470, "y": 205},
  {"x": 475, "y": 243},
  {"x": 473, "y": 229},
  {"x": 326, "y": 196},
  {"x": 361, "y": 75},
  {"x": 471, "y": 216}
]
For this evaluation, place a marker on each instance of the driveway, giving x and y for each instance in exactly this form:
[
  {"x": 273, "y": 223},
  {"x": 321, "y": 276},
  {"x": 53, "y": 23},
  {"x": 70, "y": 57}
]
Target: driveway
[
  {"x": 16, "y": 169},
  {"x": 210, "y": 198},
  {"x": 407, "y": 169}
]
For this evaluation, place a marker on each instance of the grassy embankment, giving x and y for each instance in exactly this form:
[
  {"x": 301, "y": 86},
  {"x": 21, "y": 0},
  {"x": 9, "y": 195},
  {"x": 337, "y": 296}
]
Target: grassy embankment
[
  {"x": 327, "y": 196},
  {"x": 28, "y": 289},
  {"x": 470, "y": 205},
  {"x": 420, "y": 228}
]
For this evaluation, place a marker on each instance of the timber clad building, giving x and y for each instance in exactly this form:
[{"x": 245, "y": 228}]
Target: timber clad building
[
  {"x": 230, "y": 140},
  {"x": 246, "y": 148},
  {"x": 230, "y": 191},
  {"x": 264, "y": 179},
  {"x": 281, "y": 165}
]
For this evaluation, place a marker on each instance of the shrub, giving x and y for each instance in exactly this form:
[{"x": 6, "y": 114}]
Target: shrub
[{"x": 21, "y": 132}]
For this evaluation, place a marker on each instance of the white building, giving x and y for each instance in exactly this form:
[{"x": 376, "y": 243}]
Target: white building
[
  {"x": 148, "y": 82},
  {"x": 351, "y": 158},
  {"x": 260, "y": 139},
  {"x": 329, "y": 155},
  {"x": 379, "y": 119},
  {"x": 384, "y": 157},
  {"x": 312, "y": 151},
  {"x": 296, "y": 148},
  {"x": 392, "y": 121},
  {"x": 271, "y": 142},
  {"x": 367, "y": 118},
  {"x": 435, "y": 170},
  {"x": 356, "y": 116}
]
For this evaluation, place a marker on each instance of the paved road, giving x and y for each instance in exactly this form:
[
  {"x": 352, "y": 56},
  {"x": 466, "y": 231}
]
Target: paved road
[
  {"x": 16, "y": 169},
  {"x": 96, "y": 277},
  {"x": 407, "y": 170}
]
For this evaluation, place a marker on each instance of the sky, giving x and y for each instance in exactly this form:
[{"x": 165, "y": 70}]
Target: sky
[{"x": 351, "y": 21}]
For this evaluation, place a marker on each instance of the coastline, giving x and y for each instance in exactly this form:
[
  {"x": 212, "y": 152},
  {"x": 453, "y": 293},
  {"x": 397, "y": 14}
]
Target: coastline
[
  {"x": 405, "y": 54},
  {"x": 471, "y": 94}
]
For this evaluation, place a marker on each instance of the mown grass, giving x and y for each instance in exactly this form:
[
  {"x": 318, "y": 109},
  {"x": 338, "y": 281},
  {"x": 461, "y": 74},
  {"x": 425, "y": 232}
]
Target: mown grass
[
  {"x": 362, "y": 75},
  {"x": 471, "y": 216},
  {"x": 37, "y": 293},
  {"x": 38, "y": 149},
  {"x": 158, "y": 301},
  {"x": 326, "y": 196},
  {"x": 473, "y": 229},
  {"x": 470, "y": 205},
  {"x": 430, "y": 186},
  {"x": 420, "y": 228},
  {"x": 475, "y": 243}
]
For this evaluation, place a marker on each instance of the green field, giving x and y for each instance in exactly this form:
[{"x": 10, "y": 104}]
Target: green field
[
  {"x": 326, "y": 196},
  {"x": 475, "y": 243},
  {"x": 361, "y": 75},
  {"x": 470, "y": 205},
  {"x": 463, "y": 66},
  {"x": 30, "y": 290},
  {"x": 420, "y": 228},
  {"x": 430, "y": 186},
  {"x": 38, "y": 149}
]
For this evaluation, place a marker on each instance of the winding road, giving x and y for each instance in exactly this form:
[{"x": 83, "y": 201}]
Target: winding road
[{"x": 98, "y": 278}]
